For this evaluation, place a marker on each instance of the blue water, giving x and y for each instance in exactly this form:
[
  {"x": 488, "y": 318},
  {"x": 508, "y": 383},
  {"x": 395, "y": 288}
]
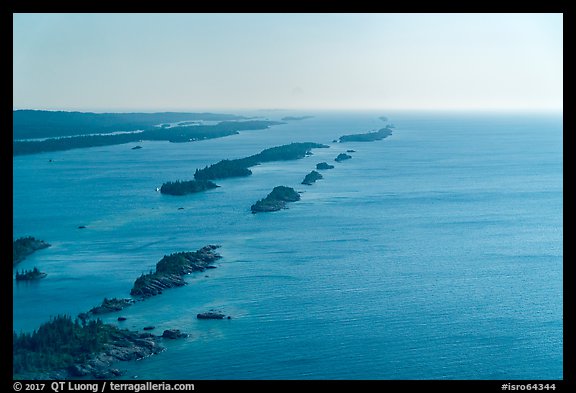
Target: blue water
[{"x": 433, "y": 254}]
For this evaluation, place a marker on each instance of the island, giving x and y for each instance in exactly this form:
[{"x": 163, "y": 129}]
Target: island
[
  {"x": 186, "y": 187},
  {"x": 367, "y": 137},
  {"x": 295, "y": 118},
  {"x": 342, "y": 156},
  {"x": 30, "y": 275},
  {"x": 311, "y": 178},
  {"x": 176, "y": 134},
  {"x": 324, "y": 165},
  {"x": 25, "y": 246},
  {"x": 63, "y": 348},
  {"x": 110, "y": 305},
  {"x": 383, "y": 118},
  {"x": 276, "y": 200},
  {"x": 239, "y": 167},
  {"x": 171, "y": 269}
]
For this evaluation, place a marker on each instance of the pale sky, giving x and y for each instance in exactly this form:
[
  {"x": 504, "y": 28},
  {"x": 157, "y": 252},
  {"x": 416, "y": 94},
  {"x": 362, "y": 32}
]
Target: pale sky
[{"x": 148, "y": 62}]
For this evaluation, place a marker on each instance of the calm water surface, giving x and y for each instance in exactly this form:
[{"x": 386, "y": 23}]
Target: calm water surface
[{"x": 433, "y": 254}]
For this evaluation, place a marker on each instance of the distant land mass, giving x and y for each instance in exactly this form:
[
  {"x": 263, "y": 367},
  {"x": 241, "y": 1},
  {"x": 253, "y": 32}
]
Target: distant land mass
[
  {"x": 172, "y": 134},
  {"x": 293, "y": 118},
  {"x": 367, "y": 137},
  {"x": 28, "y": 124}
]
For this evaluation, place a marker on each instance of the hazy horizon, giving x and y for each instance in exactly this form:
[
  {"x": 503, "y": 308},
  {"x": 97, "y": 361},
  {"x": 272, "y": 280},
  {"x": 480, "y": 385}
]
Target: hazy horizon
[{"x": 315, "y": 62}]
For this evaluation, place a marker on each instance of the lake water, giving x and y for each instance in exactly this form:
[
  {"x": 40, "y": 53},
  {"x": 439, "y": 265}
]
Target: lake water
[{"x": 435, "y": 253}]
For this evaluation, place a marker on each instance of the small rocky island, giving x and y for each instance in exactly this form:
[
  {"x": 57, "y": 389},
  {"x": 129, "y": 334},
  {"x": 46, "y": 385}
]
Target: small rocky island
[
  {"x": 30, "y": 275},
  {"x": 171, "y": 269},
  {"x": 276, "y": 200},
  {"x": 25, "y": 246},
  {"x": 186, "y": 187},
  {"x": 111, "y": 305},
  {"x": 342, "y": 157},
  {"x": 367, "y": 137},
  {"x": 311, "y": 178},
  {"x": 324, "y": 165}
]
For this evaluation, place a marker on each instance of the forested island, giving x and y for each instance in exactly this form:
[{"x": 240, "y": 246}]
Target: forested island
[
  {"x": 239, "y": 167},
  {"x": 30, "y": 275},
  {"x": 171, "y": 268},
  {"x": 186, "y": 187},
  {"x": 276, "y": 200},
  {"x": 367, "y": 137},
  {"x": 295, "y": 118},
  {"x": 29, "y": 124},
  {"x": 172, "y": 134},
  {"x": 25, "y": 246},
  {"x": 311, "y": 178},
  {"x": 108, "y": 306}
]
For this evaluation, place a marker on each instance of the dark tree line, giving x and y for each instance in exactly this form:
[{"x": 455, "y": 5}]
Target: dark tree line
[{"x": 58, "y": 344}]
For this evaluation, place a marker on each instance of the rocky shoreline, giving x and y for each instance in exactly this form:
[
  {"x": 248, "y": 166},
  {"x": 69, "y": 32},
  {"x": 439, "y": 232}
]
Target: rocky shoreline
[
  {"x": 25, "y": 246},
  {"x": 171, "y": 269},
  {"x": 276, "y": 200}
]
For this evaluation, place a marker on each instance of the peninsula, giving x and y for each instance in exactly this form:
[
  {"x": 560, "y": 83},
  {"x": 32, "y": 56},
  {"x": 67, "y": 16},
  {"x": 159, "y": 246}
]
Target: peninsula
[
  {"x": 367, "y": 137},
  {"x": 276, "y": 200},
  {"x": 25, "y": 246}
]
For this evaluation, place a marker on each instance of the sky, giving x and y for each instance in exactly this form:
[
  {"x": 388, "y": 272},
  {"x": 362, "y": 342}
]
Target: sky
[{"x": 149, "y": 62}]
